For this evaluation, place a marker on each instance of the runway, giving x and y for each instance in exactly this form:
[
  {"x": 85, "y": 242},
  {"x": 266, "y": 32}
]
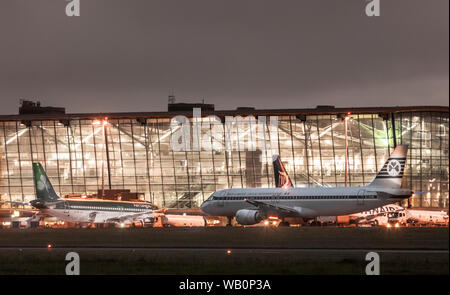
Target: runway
[
  {"x": 227, "y": 250},
  {"x": 221, "y": 260}
]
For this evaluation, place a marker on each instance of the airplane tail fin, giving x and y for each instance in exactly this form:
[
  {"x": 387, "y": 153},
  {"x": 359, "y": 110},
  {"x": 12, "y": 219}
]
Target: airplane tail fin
[
  {"x": 390, "y": 176},
  {"x": 44, "y": 189},
  {"x": 282, "y": 179}
]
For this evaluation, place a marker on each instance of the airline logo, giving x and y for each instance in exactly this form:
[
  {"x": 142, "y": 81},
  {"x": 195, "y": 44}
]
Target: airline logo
[
  {"x": 44, "y": 189},
  {"x": 281, "y": 176},
  {"x": 283, "y": 180},
  {"x": 41, "y": 184},
  {"x": 393, "y": 168},
  {"x": 382, "y": 210}
]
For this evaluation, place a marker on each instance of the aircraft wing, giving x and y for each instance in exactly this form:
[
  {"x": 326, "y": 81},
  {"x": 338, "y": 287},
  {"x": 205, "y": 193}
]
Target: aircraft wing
[
  {"x": 18, "y": 203},
  {"x": 132, "y": 217},
  {"x": 40, "y": 214},
  {"x": 283, "y": 210}
]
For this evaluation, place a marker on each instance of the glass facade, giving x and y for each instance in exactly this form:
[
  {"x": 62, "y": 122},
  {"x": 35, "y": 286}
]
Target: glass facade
[{"x": 137, "y": 155}]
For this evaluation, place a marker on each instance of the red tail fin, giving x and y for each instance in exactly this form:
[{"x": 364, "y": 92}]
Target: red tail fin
[{"x": 282, "y": 178}]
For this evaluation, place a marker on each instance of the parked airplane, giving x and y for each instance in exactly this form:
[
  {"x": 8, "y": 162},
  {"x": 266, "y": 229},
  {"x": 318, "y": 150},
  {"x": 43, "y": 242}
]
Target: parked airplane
[
  {"x": 389, "y": 214},
  {"x": 251, "y": 205},
  {"x": 88, "y": 211},
  {"x": 377, "y": 216}
]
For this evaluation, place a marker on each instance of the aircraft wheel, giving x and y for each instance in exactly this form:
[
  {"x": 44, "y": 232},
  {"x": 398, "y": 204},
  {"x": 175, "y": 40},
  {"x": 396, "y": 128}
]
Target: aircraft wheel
[{"x": 229, "y": 219}]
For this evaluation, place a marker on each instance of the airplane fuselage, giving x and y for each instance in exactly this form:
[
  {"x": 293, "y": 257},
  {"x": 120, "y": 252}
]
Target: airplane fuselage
[
  {"x": 98, "y": 211},
  {"x": 307, "y": 202}
]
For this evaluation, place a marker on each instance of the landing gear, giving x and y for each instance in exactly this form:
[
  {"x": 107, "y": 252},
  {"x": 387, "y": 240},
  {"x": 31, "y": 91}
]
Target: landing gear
[{"x": 229, "y": 221}]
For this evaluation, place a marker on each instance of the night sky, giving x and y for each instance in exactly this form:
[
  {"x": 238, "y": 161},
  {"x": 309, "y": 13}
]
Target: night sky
[{"x": 128, "y": 55}]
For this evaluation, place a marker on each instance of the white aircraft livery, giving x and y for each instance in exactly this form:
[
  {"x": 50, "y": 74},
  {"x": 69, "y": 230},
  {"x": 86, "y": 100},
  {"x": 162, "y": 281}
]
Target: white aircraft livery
[
  {"x": 377, "y": 216},
  {"x": 89, "y": 211},
  {"x": 252, "y": 205}
]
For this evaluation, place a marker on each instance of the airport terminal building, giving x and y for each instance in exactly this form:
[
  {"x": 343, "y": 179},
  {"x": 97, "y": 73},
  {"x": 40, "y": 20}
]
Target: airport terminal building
[{"x": 133, "y": 151}]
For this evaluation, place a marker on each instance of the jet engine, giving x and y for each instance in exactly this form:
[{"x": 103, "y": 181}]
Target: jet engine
[{"x": 248, "y": 217}]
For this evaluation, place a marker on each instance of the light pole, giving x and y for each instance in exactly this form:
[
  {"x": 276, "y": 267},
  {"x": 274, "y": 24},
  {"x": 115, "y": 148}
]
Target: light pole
[
  {"x": 346, "y": 119},
  {"x": 103, "y": 123}
]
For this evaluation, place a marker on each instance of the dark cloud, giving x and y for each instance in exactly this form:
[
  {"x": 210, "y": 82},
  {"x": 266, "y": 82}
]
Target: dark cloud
[{"x": 126, "y": 55}]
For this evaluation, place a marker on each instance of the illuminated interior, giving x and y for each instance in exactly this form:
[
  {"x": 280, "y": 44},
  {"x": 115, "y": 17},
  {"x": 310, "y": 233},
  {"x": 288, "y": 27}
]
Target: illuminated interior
[{"x": 139, "y": 156}]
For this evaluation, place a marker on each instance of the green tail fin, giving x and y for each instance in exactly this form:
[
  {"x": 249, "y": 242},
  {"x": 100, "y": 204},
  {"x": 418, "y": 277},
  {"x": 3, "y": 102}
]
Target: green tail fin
[{"x": 44, "y": 189}]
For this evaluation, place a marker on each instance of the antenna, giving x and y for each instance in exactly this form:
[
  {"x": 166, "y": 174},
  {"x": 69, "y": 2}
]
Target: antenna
[{"x": 171, "y": 97}]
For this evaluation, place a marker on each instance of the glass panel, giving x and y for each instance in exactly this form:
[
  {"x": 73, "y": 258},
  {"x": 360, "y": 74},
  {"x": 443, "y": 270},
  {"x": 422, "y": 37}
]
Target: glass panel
[{"x": 137, "y": 155}]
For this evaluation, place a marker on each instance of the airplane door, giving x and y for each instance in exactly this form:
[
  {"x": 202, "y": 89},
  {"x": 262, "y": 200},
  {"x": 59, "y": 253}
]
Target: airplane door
[
  {"x": 220, "y": 202},
  {"x": 361, "y": 196},
  {"x": 66, "y": 207}
]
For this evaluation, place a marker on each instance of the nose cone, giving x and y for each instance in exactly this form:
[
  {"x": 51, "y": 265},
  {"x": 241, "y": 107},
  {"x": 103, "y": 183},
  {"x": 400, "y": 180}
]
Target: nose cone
[{"x": 204, "y": 207}]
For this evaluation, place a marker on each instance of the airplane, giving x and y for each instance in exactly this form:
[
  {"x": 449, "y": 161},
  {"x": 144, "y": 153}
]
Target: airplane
[
  {"x": 385, "y": 215},
  {"x": 252, "y": 205},
  {"x": 121, "y": 213},
  {"x": 377, "y": 216}
]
